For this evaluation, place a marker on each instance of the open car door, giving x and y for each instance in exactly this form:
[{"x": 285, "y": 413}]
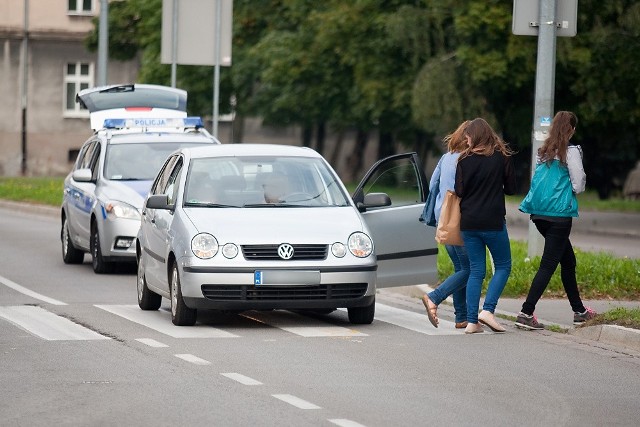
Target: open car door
[{"x": 406, "y": 248}]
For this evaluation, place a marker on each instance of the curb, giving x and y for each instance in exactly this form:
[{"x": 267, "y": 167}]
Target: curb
[
  {"x": 608, "y": 334},
  {"x": 33, "y": 208}
]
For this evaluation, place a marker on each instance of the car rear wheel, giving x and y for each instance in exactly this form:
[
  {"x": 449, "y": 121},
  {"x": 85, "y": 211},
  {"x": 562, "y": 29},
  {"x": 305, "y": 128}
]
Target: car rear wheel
[
  {"x": 147, "y": 300},
  {"x": 362, "y": 315},
  {"x": 181, "y": 315},
  {"x": 100, "y": 266},
  {"x": 70, "y": 255}
]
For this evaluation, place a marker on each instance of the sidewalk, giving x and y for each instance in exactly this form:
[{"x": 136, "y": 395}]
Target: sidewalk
[{"x": 549, "y": 312}]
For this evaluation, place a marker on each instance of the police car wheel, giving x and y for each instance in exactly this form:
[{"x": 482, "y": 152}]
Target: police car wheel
[
  {"x": 100, "y": 266},
  {"x": 70, "y": 255}
]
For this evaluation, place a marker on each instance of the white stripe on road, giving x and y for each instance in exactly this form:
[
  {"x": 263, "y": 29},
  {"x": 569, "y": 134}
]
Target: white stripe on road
[
  {"x": 417, "y": 322},
  {"x": 345, "y": 423},
  {"x": 160, "y": 321},
  {"x": 311, "y": 327},
  {"x": 47, "y": 325},
  {"x": 193, "y": 359},
  {"x": 241, "y": 378},
  {"x": 29, "y": 292},
  {"x": 296, "y": 401},
  {"x": 151, "y": 343}
]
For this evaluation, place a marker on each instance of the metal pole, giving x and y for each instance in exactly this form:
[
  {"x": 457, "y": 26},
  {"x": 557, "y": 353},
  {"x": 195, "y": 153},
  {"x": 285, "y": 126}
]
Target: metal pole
[
  {"x": 216, "y": 72},
  {"x": 23, "y": 98},
  {"x": 545, "y": 86},
  {"x": 174, "y": 43},
  {"x": 103, "y": 42}
]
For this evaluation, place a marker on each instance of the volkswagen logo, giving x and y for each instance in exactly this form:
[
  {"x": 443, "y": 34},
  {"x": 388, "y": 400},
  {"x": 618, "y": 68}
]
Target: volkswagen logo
[{"x": 285, "y": 251}]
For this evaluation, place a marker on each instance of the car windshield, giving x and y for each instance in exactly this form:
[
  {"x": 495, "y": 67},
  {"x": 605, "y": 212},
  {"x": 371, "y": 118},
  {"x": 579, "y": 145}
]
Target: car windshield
[
  {"x": 138, "y": 162},
  {"x": 259, "y": 182}
]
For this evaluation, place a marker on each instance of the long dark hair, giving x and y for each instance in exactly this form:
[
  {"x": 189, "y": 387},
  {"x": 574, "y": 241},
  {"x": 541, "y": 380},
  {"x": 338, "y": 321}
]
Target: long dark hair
[
  {"x": 562, "y": 129},
  {"x": 484, "y": 140}
]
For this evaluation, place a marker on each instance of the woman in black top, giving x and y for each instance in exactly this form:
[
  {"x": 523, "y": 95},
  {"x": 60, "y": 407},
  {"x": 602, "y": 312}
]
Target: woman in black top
[{"x": 483, "y": 176}]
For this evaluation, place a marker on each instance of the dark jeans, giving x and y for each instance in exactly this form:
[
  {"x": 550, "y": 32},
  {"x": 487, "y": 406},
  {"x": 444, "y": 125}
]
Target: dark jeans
[{"x": 557, "y": 250}]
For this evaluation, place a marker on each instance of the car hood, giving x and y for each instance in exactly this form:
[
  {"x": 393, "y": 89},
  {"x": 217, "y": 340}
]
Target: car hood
[
  {"x": 131, "y": 192},
  {"x": 277, "y": 225}
]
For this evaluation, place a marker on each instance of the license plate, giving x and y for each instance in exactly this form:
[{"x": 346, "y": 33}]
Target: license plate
[{"x": 286, "y": 277}]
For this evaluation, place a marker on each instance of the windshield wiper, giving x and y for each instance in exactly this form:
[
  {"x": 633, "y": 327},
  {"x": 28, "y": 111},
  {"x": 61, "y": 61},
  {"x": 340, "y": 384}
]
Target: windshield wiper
[
  {"x": 208, "y": 205},
  {"x": 273, "y": 205}
]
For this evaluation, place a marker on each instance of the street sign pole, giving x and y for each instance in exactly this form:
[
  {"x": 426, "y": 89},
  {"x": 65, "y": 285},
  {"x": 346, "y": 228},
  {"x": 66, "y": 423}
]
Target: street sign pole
[{"x": 544, "y": 95}]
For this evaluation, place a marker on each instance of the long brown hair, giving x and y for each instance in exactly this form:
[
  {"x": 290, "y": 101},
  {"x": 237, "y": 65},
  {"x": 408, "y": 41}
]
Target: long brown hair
[
  {"x": 562, "y": 129},
  {"x": 484, "y": 140},
  {"x": 456, "y": 141}
]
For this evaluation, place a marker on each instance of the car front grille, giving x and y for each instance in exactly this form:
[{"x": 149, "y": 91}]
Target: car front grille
[
  {"x": 289, "y": 293},
  {"x": 270, "y": 252}
]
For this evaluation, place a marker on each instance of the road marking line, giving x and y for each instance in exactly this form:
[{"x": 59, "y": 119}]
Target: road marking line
[
  {"x": 414, "y": 321},
  {"x": 290, "y": 322},
  {"x": 47, "y": 325},
  {"x": 241, "y": 378},
  {"x": 345, "y": 423},
  {"x": 29, "y": 292},
  {"x": 151, "y": 342},
  {"x": 161, "y": 321},
  {"x": 193, "y": 359},
  {"x": 295, "y": 401}
]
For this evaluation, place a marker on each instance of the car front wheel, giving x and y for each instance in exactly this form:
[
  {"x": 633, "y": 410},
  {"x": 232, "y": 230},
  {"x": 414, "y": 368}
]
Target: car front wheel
[
  {"x": 70, "y": 255},
  {"x": 362, "y": 315},
  {"x": 147, "y": 300},
  {"x": 181, "y": 315},
  {"x": 100, "y": 266}
]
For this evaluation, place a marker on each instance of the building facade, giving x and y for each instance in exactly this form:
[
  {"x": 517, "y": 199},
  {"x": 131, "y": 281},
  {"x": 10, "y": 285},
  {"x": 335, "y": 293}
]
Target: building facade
[{"x": 44, "y": 64}]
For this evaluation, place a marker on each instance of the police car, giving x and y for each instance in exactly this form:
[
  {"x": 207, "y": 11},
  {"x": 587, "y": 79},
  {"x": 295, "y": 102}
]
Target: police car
[{"x": 136, "y": 127}]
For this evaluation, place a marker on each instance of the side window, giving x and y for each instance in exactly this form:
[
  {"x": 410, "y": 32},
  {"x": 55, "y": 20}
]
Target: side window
[
  {"x": 399, "y": 178},
  {"x": 77, "y": 76},
  {"x": 161, "y": 180},
  {"x": 81, "y": 156},
  {"x": 87, "y": 158},
  {"x": 173, "y": 183}
]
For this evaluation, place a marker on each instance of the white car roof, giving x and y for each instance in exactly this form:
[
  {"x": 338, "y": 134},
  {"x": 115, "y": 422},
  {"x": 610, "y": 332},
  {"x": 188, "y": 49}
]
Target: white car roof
[{"x": 223, "y": 150}]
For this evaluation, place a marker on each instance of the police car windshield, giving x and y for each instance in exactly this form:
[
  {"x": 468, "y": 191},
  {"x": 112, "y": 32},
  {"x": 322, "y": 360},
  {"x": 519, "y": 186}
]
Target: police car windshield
[{"x": 138, "y": 162}]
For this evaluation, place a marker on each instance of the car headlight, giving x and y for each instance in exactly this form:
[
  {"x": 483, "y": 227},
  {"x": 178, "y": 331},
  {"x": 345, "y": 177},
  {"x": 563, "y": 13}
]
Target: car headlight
[
  {"x": 360, "y": 245},
  {"x": 204, "y": 246},
  {"x": 115, "y": 209}
]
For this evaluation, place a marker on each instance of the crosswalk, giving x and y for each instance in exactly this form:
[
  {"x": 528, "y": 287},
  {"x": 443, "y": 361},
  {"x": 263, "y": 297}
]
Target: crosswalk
[{"x": 52, "y": 327}]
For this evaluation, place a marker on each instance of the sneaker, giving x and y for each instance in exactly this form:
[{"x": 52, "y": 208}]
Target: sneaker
[
  {"x": 580, "y": 318},
  {"x": 524, "y": 321}
]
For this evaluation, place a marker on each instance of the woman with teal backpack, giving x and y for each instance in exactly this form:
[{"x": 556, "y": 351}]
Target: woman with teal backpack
[{"x": 552, "y": 203}]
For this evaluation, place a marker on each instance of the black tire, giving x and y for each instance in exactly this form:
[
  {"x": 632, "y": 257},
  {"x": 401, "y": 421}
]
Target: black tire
[
  {"x": 181, "y": 315},
  {"x": 147, "y": 300},
  {"x": 70, "y": 255},
  {"x": 362, "y": 315},
  {"x": 100, "y": 266}
]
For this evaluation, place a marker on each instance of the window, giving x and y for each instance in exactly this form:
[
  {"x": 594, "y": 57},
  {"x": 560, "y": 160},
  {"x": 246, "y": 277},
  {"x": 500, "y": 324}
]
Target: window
[
  {"x": 80, "y": 6},
  {"x": 77, "y": 76}
]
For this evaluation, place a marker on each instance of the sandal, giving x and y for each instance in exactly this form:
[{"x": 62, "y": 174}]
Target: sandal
[{"x": 432, "y": 310}]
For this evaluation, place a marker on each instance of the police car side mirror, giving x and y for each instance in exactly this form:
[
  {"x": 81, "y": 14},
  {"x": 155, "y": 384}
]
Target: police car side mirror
[{"x": 82, "y": 175}]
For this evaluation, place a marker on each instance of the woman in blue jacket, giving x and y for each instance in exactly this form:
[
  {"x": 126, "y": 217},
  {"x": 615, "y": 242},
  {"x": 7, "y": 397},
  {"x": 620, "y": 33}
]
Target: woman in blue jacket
[{"x": 552, "y": 203}]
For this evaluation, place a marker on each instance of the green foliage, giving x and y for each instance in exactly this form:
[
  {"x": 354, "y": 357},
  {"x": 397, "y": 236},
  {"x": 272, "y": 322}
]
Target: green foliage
[
  {"x": 41, "y": 190},
  {"x": 600, "y": 275}
]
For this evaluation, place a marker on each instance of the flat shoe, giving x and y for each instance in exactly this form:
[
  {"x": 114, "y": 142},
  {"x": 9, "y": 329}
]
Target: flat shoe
[
  {"x": 487, "y": 318},
  {"x": 473, "y": 328},
  {"x": 432, "y": 310},
  {"x": 461, "y": 325}
]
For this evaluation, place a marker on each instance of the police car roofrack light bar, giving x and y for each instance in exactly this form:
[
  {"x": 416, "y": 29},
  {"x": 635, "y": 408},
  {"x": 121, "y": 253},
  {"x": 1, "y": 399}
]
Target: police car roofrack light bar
[{"x": 154, "y": 122}]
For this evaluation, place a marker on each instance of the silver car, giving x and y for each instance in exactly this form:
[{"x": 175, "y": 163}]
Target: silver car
[
  {"x": 258, "y": 227},
  {"x": 115, "y": 167}
]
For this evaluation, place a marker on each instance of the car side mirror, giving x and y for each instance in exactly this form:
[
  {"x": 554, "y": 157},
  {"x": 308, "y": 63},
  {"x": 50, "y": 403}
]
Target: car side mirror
[
  {"x": 82, "y": 175},
  {"x": 374, "y": 200},
  {"x": 158, "y": 201}
]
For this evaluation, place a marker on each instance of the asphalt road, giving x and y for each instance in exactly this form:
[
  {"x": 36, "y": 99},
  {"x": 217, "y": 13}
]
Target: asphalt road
[{"x": 76, "y": 350}]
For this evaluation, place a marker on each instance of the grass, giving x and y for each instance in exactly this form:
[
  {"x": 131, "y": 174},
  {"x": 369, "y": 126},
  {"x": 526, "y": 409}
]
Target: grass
[{"x": 600, "y": 275}]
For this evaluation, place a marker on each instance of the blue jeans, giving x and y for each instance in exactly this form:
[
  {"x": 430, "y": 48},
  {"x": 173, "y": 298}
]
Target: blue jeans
[
  {"x": 476, "y": 243},
  {"x": 455, "y": 284}
]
